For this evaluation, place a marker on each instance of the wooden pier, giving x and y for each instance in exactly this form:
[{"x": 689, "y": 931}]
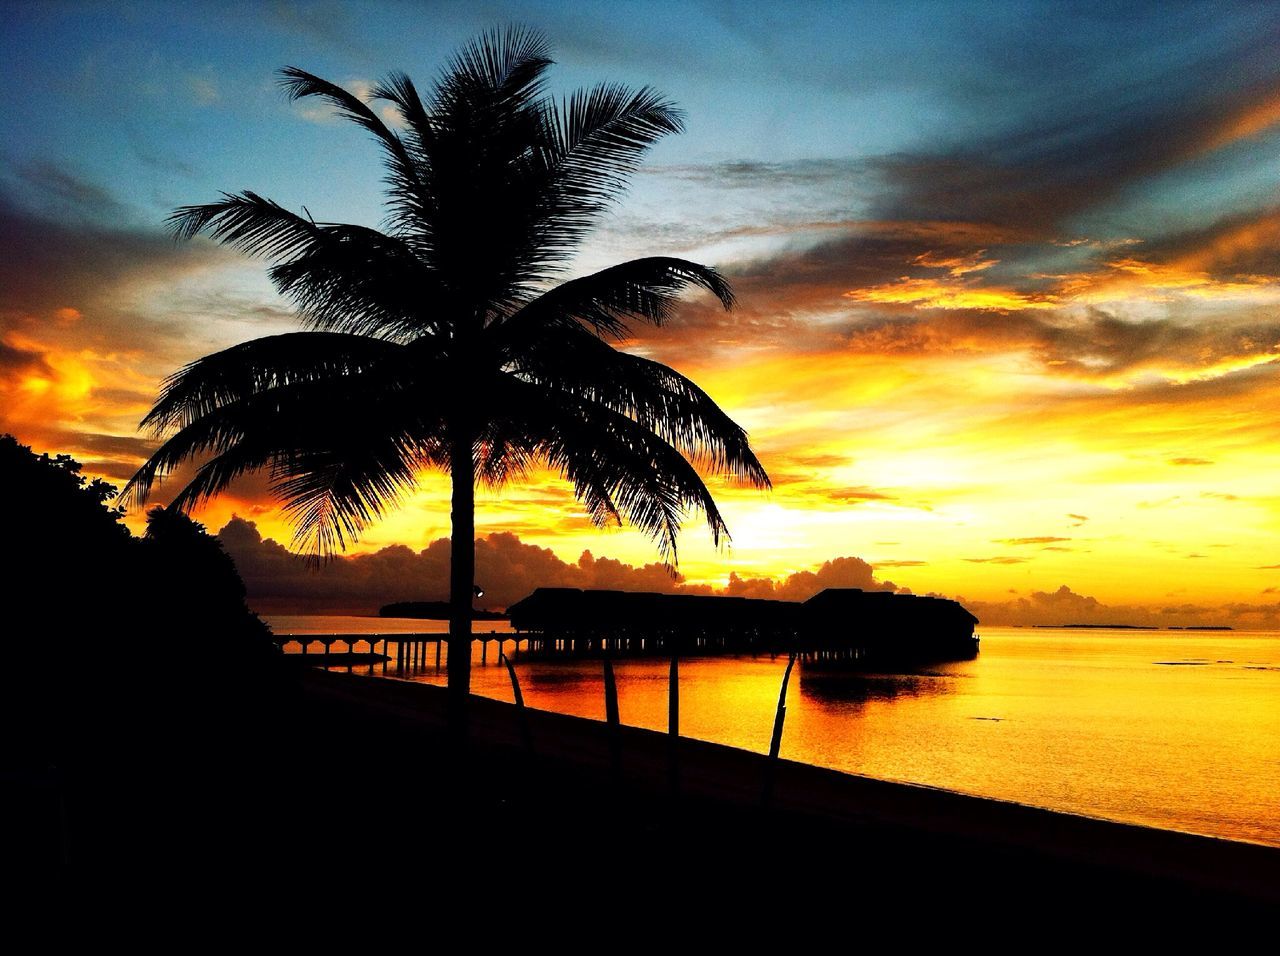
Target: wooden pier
[
  {"x": 392, "y": 655},
  {"x": 838, "y": 628}
]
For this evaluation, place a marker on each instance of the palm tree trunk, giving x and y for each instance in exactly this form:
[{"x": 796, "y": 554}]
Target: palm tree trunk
[{"x": 462, "y": 554}]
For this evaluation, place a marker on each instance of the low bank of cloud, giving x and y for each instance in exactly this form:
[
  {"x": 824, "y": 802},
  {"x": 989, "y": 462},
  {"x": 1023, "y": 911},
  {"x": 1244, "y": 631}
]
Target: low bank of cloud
[{"x": 282, "y": 582}]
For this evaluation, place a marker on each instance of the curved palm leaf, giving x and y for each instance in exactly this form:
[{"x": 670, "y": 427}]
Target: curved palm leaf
[
  {"x": 656, "y": 396},
  {"x": 362, "y": 281},
  {"x": 499, "y": 71},
  {"x": 349, "y": 278},
  {"x": 641, "y": 288},
  {"x": 409, "y": 195},
  {"x": 334, "y": 472},
  {"x": 593, "y": 143},
  {"x": 253, "y": 367},
  {"x": 248, "y": 222},
  {"x": 619, "y": 468}
]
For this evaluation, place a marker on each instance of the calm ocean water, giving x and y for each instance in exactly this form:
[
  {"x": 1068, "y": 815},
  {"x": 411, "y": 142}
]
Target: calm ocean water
[{"x": 1179, "y": 730}]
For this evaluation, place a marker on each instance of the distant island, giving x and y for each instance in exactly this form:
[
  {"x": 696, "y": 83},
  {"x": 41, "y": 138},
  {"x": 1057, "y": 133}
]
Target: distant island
[
  {"x": 432, "y": 611},
  {"x": 1104, "y": 627},
  {"x": 1142, "y": 627}
]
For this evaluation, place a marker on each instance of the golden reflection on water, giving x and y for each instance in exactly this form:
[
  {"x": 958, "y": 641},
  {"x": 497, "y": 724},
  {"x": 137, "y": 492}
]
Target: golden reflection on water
[{"x": 1177, "y": 730}]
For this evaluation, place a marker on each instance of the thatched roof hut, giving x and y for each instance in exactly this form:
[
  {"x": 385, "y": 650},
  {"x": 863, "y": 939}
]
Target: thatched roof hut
[
  {"x": 844, "y": 623},
  {"x": 575, "y": 609}
]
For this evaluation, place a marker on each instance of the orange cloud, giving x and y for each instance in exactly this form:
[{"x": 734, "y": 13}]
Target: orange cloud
[
  {"x": 1247, "y": 121},
  {"x": 956, "y": 265},
  {"x": 937, "y": 294}
]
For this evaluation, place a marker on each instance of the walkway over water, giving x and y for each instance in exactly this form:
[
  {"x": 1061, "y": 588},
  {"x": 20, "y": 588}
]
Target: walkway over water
[
  {"x": 397, "y": 655},
  {"x": 838, "y": 626}
]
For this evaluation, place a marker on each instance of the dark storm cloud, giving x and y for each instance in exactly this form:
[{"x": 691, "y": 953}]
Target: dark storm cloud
[
  {"x": 59, "y": 190},
  {"x": 1075, "y": 129},
  {"x": 1105, "y": 343},
  {"x": 778, "y": 295},
  {"x": 281, "y": 581},
  {"x": 18, "y": 362},
  {"x": 1242, "y": 244},
  {"x": 1081, "y": 148},
  {"x": 51, "y": 263},
  {"x": 124, "y": 446}
]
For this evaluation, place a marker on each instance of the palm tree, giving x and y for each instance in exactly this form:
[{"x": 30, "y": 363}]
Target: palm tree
[{"x": 442, "y": 342}]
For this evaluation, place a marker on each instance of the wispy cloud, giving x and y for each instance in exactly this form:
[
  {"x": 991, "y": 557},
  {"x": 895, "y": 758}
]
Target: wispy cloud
[{"x": 1043, "y": 539}]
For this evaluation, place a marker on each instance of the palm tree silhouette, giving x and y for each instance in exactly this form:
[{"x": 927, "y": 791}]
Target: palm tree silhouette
[{"x": 441, "y": 342}]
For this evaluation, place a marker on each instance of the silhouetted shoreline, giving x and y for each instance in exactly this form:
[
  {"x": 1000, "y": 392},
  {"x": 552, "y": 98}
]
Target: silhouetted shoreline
[
  {"x": 967, "y": 850},
  {"x": 1135, "y": 627}
]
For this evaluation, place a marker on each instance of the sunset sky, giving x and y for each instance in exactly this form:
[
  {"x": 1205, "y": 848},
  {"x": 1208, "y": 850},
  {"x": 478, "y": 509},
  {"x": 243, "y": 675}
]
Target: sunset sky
[{"x": 1008, "y": 273}]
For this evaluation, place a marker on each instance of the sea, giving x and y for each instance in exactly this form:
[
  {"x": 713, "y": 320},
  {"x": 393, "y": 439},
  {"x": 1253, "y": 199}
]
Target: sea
[{"x": 1172, "y": 729}]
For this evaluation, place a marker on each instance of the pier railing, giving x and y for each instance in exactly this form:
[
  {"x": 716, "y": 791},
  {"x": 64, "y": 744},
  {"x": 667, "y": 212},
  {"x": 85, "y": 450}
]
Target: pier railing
[{"x": 394, "y": 655}]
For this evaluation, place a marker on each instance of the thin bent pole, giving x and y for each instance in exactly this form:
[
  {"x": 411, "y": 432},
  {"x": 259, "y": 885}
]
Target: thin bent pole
[
  {"x": 673, "y": 718},
  {"x": 525, "y": 735},
  {"x": 775, "y": 743},
  {"x": 611, "y": 715}
]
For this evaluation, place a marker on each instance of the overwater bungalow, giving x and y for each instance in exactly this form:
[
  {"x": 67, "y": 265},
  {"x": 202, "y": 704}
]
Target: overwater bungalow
[
  {"x": 839, "y": 625},
  {"x": 883, "y": 628}
]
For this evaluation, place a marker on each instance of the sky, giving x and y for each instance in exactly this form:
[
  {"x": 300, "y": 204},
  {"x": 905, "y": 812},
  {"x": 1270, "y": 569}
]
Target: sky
[{"x": 1007, "y": 274}]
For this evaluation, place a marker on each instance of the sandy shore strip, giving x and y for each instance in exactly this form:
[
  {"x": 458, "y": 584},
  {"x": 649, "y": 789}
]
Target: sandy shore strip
[{"x": 987, "y": 837}]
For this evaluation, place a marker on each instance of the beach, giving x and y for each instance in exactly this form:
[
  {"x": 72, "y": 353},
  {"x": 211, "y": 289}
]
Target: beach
[
  {"x": 1172, "y": 730},
  {"x": 552, "y": 799}
]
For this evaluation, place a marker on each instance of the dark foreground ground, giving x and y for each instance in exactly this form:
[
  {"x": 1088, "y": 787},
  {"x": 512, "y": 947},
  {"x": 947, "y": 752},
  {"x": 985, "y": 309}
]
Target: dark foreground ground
[
  {"x": 561, "y": 820},
  {"x": 357, "y": 789}
]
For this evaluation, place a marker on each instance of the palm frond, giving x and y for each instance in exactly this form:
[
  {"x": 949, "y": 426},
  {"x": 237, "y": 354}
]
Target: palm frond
[
  {"x": 647, "y": 289},
  {"x": 397, "y": 88},
  {"x": 358, "y": 280},
  {"x": 407, "y": 188},
  {"x": 338, "y": 453},
  {"x": 257, "y": 366},
  {"x": 503, "y": 69},
  {"x": 595, "y": 141},
  {"x": 500, "y": 456},
  {"x": 248, "y": 222},
  {"x": 333, "y": 493},
  {"x": 477, "y": 140},
  {"x": 575, "y": 362},
  {"x": 619, "y": 468},
  {"x": 342, "y": 277}
]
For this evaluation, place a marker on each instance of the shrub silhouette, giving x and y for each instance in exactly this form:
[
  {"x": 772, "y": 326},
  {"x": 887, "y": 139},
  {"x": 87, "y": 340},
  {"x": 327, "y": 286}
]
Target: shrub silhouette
[{"x": 139, "y": 688}]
